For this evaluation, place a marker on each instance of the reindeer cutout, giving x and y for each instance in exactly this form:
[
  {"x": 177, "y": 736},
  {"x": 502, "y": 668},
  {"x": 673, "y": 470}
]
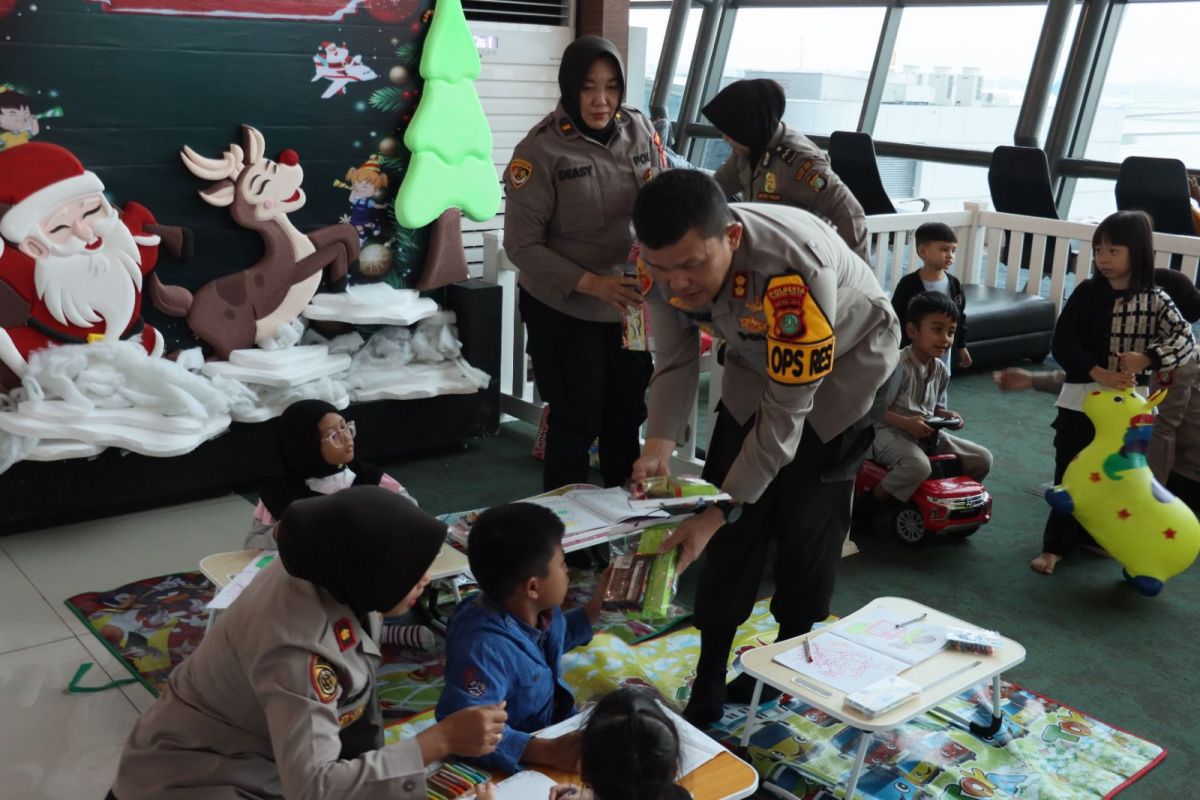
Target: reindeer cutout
[{"x": 239, "y": 310}]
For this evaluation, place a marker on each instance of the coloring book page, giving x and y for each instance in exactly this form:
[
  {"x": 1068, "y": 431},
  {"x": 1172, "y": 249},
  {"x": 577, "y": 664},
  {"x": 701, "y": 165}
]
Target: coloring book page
[
  {"x": 876, "y": 629},
  {"x": 840, "y": 663}
]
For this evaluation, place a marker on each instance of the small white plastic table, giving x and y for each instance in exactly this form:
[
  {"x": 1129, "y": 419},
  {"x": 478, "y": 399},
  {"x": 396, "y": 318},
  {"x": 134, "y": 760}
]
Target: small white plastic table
[{"x": 940, "y": 677}]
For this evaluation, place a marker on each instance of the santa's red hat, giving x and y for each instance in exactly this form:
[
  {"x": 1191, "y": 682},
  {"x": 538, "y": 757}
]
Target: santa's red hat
[{"x": 35, "y": 179}]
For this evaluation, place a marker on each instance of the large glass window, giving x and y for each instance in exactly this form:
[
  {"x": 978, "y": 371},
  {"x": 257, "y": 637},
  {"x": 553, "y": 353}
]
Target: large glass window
[
  {"x": 821, "y": 56},
  {"x": 654, "y": 20},
  {"x": 958, "y": 75},
  {"x": 945, "y": 186},
  {"x": 1150, "y": 105}
]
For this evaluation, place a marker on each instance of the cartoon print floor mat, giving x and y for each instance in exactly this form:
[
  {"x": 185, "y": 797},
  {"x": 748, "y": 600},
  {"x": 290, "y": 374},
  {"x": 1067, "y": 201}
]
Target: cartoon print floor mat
[
  {"x": 1046, "y": 750},
  {"x": 149, "y": 625}
]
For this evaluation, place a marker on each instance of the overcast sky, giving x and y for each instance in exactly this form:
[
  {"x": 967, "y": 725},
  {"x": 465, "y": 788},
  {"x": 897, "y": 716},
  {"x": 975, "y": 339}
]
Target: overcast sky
[{"x": 1157, "y": 46}]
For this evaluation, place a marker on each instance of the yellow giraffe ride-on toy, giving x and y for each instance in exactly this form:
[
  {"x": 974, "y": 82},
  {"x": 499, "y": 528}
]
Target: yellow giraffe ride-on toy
[{"x": 1112, "y": 493}]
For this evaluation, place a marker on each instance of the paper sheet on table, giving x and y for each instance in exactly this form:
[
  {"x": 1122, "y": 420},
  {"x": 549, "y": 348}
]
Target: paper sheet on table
[
  {"x": 875, "y": 628},
  {"x": 840, "y": 663},
  {"x": 527, "y": 785},
  {"x": 231, "y": 590},
  {"x": 613, "y": 504},
  {"x": 695, "y": 748}
]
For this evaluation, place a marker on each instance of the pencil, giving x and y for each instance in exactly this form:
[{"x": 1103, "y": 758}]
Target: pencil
[
  {"x": 911, "y": 621},
  {"x": 808, "y": 651}
]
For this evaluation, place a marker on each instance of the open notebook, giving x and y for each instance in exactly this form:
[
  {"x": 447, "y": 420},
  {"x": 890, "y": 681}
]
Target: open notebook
[
  {"x": 864, "y": 648},
  {"x": 591, "y": 516}
]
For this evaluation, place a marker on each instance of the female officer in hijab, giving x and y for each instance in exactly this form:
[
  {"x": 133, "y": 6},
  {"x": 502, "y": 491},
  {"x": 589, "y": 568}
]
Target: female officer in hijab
[
  {"x": 771, "y": 163},
  {"x": 571, "y": 185},
  {"x": 279, "y": 698}
]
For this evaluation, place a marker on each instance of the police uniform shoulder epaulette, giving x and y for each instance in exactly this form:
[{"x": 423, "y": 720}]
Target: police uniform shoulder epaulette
[{"x": 800, "y": 339}]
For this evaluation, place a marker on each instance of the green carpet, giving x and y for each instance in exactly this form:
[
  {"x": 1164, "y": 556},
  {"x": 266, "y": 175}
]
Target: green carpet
[{"x": 1091, "y": 641}]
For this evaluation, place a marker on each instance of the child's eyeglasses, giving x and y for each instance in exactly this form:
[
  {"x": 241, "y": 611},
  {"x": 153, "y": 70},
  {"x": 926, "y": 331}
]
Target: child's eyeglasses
[{"x": 341, "y": 435}]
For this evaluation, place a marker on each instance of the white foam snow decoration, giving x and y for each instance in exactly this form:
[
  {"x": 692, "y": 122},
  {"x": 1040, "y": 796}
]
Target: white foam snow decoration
[
  {"x": 265, "y": 402},
  {"x": 118, "y": 375},
  {"x": 134, "y": 438},
  {"x": 388, "y": 348},
  {"x": 410, "y": 382},
  {"x": 290, "y": 367},
  {"x": 14, "y": 448},
  {"x": 371, "y": 304},
  {"x": 285, "y": 336},
  {"x": 63, "y": 412},
  {"x": 191, "y": 359},
  {"x": 59, "y": 449},
  {"x": 345, "y": 343},
  {"x": 477, "y": 376}
]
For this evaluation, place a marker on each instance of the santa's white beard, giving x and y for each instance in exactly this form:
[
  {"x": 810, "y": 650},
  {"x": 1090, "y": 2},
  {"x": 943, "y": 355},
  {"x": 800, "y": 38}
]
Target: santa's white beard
[{"x": 82, "y": 287}]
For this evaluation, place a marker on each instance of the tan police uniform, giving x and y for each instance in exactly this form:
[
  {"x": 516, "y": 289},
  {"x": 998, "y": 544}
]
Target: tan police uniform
[
  {"x": 569, "y": 202},
  {"x": 278, "y": 701},
  {"x": 569, "y": 205},
  {"x": 810, "y": 338},
  {"x": 795, "y": 172}
]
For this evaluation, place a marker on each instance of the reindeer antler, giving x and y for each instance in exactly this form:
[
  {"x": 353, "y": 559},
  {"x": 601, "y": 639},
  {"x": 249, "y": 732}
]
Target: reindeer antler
[
  {"x": 255, "y": 144},
  {"x": 213, "y": 169}
]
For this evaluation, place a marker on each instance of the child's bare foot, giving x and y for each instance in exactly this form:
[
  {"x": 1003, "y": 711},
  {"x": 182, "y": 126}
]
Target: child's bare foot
[{"x": 1045, "y": 563}]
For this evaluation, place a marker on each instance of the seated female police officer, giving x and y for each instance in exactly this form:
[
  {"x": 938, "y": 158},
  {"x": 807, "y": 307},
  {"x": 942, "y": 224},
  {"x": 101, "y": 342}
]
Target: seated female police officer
[
  {"x": 279, "y": 698},
  {"x": 771, "y": 163},
  {"x": 570, "y": 191}
]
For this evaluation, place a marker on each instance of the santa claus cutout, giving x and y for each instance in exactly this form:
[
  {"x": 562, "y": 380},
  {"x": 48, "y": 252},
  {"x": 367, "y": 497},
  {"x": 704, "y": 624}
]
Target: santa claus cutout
[{"x": 73, "y": 267}]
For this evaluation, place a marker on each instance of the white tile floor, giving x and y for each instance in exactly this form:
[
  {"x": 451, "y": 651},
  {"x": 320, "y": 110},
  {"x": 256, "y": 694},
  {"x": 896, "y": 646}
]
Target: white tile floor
[{"x": 57, "y": 746}]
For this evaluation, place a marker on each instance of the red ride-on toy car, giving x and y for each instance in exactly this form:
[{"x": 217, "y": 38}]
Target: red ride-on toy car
[{"x": 947, "y": 502}]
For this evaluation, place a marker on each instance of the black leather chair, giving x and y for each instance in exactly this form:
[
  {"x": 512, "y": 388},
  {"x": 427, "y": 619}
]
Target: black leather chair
[
  {"x": 1019, "y": 182},
  {"x": 1003, "y": 325},
  {"x": 1158, "y": 186},
  {"x": 852, "y": 157}
]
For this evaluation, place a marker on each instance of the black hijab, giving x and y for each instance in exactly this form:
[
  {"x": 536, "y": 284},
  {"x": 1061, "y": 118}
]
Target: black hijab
[
  {"x": 572, "y": 72},
  {"x": 365, "y": 545},
  {"x": 300, "y": 452},
  {"x": 748, "y": 111}
]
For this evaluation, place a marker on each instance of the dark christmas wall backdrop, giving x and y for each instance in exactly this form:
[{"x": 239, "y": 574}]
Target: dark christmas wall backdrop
[{"x": 125, "y": 84}]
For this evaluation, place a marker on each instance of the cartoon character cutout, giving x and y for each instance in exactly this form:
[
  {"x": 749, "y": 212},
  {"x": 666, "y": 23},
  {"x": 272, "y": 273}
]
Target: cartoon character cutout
[
  {"x": 365, "y": 182},
  {"x": 75, "y": 268},
  {"x": 17, "y": 123},
  {"x": 334, "y": 64}
]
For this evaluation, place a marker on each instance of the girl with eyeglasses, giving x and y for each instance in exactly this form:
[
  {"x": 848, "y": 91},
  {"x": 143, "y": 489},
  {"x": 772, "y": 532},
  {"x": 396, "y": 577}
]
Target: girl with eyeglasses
[{"x": 316, "y": 448}]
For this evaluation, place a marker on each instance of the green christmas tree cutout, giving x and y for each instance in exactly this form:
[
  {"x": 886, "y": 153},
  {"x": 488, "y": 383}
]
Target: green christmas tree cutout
[{"x": 449, "y": 137}]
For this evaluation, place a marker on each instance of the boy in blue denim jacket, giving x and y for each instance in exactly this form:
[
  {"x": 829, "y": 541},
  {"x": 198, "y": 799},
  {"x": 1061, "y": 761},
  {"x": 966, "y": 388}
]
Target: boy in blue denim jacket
[{"x": 505, "y": 644}]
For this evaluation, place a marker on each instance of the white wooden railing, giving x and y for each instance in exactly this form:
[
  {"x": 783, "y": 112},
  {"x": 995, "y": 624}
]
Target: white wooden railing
[{"x": 980, "y": 235}]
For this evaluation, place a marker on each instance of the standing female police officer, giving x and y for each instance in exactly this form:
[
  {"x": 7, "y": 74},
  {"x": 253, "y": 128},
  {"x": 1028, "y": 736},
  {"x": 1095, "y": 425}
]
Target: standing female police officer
[
  {"x": 772, "y": 163},
  {"x": 279, "y": 698},
  {"x": 571, "y": 185}
]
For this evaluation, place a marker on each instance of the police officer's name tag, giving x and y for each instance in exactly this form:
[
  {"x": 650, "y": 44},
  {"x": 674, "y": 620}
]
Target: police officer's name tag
[{"x": 799, "y": 337}]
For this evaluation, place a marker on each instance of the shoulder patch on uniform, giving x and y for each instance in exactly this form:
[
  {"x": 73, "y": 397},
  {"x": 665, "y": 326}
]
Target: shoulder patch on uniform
[
  {"x": 817, "y": 181},
  {"x": 352, "y": 716},
  {"x": 740, "y": 285},
  {"x": 770, "y": 182},
  {"x": 519, "y": 171},
  {"x": 800, "y": 340},
  {"x": 344, "y": 632},
  {"x": 324, "y": 679}
]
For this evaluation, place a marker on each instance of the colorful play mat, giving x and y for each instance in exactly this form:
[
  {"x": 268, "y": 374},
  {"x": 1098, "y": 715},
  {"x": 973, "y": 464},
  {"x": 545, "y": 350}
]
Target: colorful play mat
[{"x": 1045, "y": 750}]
